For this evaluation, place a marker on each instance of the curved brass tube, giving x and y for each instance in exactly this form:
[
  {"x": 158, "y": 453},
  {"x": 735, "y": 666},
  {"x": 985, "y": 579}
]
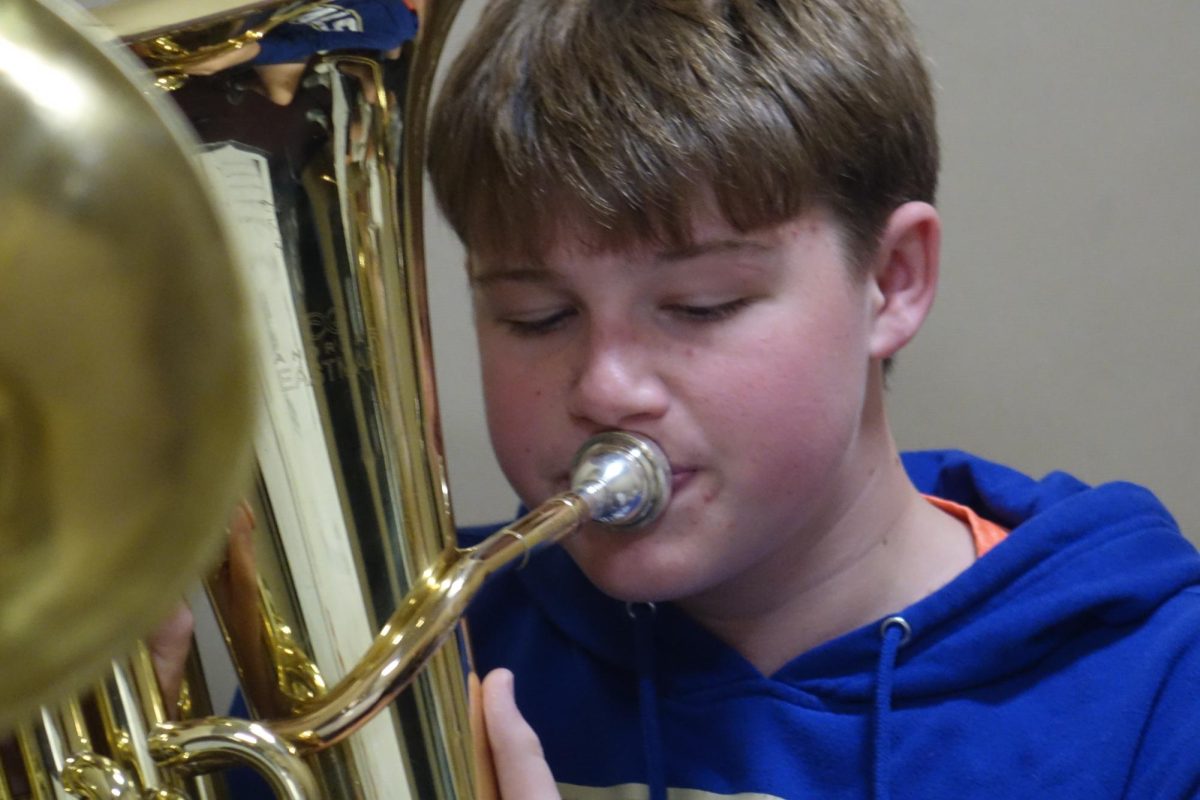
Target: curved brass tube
[
  {"x": 96, "y": 777},
  {"x": 620, "y": 479},
  {"x": 126, "y": 402},
  {"x": 322, "y": 190},
  {"x": 426, "y": 618},
  {"x": 205, "y": 745}
]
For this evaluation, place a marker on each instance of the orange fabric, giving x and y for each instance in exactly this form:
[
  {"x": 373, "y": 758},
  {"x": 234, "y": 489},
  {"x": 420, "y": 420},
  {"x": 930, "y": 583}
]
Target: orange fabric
[{"x": 985, "y": 533}]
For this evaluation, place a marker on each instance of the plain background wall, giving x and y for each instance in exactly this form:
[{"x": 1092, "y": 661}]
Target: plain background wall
[{"x": 1064, "y": 335}]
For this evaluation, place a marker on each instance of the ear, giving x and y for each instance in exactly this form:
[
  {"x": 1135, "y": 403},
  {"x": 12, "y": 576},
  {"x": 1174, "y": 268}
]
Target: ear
[{"x": 904, "y": 276}]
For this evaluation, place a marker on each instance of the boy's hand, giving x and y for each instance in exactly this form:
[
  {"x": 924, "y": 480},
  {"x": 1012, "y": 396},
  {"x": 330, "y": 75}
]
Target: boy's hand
[
  {"x": 169, "y": 646},
  {"x": 171, "y": 642},
  {"x": 521, "y": 769}
]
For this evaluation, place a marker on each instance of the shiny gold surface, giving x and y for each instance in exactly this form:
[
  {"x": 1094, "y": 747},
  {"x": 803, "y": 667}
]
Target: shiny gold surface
[
  {"x": 138, "y": 19},
  {"x": 405, "y": 646},
  {"x": 203, "y": 48},
  {"x": 297, "y": 677},
  {"x": 213, "y": 744},
  {"x": 319, "y": 179},
  {"x": 353, "y": 499},
  {"x": 95, "y": 777},
  {"x": 40, "y": 760},
  {"x": 124, "y": 372},
  {"x": 421, "y": 625},
  {"x": 352, "y": 509},
  {"x": 619, "y": 477}
]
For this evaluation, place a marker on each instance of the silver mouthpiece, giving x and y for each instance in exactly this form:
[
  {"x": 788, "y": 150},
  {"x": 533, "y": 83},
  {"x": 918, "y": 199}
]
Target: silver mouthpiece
[{"x": 623, "y": 477}]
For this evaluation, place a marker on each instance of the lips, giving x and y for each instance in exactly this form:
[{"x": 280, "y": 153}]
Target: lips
[{"x": 681, "y": 477}]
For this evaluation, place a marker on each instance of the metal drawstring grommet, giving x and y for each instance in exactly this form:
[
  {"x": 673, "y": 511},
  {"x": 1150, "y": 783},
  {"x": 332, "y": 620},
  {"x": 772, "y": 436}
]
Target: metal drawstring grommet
[
  {"x": 897, "y": 622},
  {"x": 629, "y": 609}
]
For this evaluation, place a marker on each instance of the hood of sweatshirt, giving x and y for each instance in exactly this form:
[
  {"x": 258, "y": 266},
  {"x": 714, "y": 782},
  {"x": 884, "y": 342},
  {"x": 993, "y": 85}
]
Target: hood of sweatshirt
[
  {"x": 1081, "y": 567},
  {"x": 1077, "y": 556}
]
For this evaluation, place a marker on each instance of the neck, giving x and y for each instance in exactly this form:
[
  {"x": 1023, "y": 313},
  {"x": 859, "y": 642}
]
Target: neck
[{"x": 877, "y": 548}]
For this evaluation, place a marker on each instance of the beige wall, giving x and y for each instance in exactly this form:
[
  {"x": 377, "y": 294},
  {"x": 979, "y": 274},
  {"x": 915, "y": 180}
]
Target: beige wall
[
  {"x": 1065, "y": 335},
  {"x": 1065, "y": 332}
]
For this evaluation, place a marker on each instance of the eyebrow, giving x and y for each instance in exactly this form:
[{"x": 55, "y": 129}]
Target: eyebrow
[
  {"x": 713, "y": 247},
  {"x": 526, "y": 274},
  {"x": 541, "y": 274}
]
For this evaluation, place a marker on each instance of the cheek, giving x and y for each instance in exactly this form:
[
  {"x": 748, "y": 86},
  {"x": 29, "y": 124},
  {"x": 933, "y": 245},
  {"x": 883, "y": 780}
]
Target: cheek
[
  {"x": 516, "y": 417},
  {"x": 788, "y": 411}
]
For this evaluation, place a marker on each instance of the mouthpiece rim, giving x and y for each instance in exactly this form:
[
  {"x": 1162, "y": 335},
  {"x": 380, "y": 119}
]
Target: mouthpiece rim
[{"x": 625, "y": 478}]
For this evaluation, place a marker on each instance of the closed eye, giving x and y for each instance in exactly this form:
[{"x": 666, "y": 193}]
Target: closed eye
[
  {"x": 707, "y": 313},
  {"x": 538, "y": 325}
]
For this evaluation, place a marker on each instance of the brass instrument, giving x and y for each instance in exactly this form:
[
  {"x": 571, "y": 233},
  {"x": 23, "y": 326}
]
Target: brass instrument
[
  {"x": 317, "y": 171},
  {"x": 125, "y": 361}
]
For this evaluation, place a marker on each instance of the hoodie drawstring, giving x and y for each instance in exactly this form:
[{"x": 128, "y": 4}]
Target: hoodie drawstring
[
  {"x": 643, "y": 623},
  {"x": 895, "y": 632}
]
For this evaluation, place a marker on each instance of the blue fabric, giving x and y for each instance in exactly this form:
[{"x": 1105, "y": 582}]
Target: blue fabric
[
  {"x": 244, "y": 783},
  {"x": 643, "y": 615},
  {"x": 377, "y": 25},
  {"x": 1064, "y": 664},
  {"x": 885, "y": 678}
]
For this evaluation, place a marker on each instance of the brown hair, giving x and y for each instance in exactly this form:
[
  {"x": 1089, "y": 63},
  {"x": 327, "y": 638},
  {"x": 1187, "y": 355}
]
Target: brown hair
[{"x": 623, "y": 115}]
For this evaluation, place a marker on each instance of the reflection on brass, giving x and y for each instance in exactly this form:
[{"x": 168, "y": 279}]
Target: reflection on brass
[
  {"x": 93, "y": 776},
  {"x": 630, "y": 489},
  {"x": 353, "y": 552},
  {"x": 297, "y": 677},
  {"x": 351, "y": 499},
  {"x": 173, "y": 56},
  {"x": 217, "y": 743},
  {"x": 40, "y": 759},
  {"x": 125, "y": 377}
]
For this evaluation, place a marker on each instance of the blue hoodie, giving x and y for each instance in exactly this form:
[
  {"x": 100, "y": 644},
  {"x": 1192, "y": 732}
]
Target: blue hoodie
[{"x": 1063, "y": 664}]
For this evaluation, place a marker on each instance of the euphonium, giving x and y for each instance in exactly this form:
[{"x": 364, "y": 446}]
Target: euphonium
[
  {"x": 343, "y": 613},
  {"x": 125, "y": 362}
]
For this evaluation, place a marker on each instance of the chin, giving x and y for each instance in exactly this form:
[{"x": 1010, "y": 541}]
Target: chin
[
  {"x": 632, "y": 573},
  {"x": 634, "y": 594}
]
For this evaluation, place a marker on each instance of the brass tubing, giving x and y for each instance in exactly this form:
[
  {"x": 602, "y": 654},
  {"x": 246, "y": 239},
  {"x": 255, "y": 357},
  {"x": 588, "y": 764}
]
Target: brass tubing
[
  {"x": 125, "y": 727},
  {"x": 201, "y": 746},
  {"x": 169, "y": 56},
  {"x": 421, "y": 623},
  {"x": 41, "y": 755},
  {"x": 427, "y": 616},
  {"x": 617, "y": 477},
  {"x": 74, "y": 725},
  {"x": 110, "y": 440},
  {"x": 94, "y": 777},
  {"x": 144, "y": 683}
]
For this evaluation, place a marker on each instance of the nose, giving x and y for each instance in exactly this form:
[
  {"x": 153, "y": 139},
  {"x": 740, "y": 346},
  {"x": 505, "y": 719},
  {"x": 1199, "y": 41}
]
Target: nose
[{"x": 616, "y": 384}]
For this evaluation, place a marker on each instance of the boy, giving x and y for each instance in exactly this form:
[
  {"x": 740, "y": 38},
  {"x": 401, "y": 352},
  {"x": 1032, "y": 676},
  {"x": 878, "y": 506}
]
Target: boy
[{"x": 711, "y": 223}]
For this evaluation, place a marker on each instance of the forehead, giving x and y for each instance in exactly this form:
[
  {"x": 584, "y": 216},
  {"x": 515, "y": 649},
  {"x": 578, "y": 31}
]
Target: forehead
[
  {"x": 709, "y": 236},
  {"x": 724, "y": 254},
  {"x": 573, "y": 237}
]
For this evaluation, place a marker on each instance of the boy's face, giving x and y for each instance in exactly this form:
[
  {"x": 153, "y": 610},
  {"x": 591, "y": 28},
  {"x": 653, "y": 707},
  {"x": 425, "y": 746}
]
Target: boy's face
[{"x": 746, "y": 357}]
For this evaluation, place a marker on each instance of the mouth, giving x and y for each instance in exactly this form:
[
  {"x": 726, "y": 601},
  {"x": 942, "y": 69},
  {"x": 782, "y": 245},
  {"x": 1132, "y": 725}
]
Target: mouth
[{"x": 680, "y": 478}]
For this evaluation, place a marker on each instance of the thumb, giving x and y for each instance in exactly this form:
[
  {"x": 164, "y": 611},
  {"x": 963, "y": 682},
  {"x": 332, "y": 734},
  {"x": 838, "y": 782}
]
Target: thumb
[{"x": 521, "y": 768}]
